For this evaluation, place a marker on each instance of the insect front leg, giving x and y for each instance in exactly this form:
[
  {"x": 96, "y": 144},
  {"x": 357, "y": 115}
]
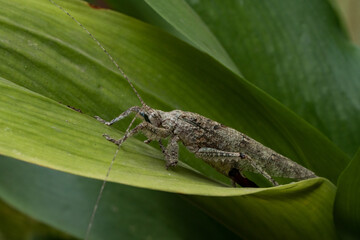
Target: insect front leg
[
  {"x": 150, "y": 131},
  {"x": 134, "y": 131},
  {"x": 171, "y": 151},
  {"x": 123, "y": 115}
]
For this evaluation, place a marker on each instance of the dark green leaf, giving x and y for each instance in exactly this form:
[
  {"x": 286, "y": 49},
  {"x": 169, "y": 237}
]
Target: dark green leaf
[
  {"x": 187, "y": 22},
  {"x": 287, "y": 213},
  {"x": 15, "y": 225},
  {"x": 296, "y": 51},
  {"x": 347, "y": 205}
]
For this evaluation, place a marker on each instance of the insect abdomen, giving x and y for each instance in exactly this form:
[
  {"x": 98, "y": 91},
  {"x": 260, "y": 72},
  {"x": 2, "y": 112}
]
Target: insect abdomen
[{"x": 274, "y": 163}]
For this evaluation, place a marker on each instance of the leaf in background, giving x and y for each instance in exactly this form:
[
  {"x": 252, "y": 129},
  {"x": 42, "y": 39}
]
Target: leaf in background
[
  {"x": 199, "y": 34},
  {"x": 15, "y": 225},
  {"x": 347, "y": 206},
  {"x": 65, "y": 201},
  {"x": 291, "y": 213},
  {"x": 141, "y": 11},
  {"x": 296, "y": 51}
]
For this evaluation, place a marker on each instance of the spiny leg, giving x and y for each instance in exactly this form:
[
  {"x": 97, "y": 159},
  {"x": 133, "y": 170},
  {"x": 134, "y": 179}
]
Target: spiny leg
[
  {"x": 149, "y": 130},
  {"x": 228, "y": 163},
  {"x": 134, "y": 109},
  {"x": 162, "y": 147},
  {"x": 154, "y": 133},
  {"x": 129, "y": 134},
  {"x": 261, "y": 170},
  {"x": 242, "y": 161},
  {"x": 172, "y": 152}
]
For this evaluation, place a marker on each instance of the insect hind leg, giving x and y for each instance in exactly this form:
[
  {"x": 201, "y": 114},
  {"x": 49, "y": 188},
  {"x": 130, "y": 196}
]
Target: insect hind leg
[
  {"x": 231, "y": 161},
  {"x": 260, "y": 170}
]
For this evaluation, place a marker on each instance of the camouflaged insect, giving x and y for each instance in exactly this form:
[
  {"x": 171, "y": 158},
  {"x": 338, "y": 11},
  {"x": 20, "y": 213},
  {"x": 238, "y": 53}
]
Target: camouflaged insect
[{"x": 227, "y": 150}]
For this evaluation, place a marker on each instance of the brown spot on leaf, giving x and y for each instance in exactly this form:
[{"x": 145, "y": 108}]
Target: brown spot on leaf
[{"x": 98, "y": 4}]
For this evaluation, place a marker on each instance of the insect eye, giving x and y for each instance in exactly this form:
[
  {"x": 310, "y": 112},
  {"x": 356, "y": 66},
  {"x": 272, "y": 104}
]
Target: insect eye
[{"x": 145, "y": 116}]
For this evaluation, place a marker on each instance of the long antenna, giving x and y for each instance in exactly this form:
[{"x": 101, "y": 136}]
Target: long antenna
[
  {"x": 126, "y": 135},
  {"x": 101, "y": 46},
  {"x": 127, "y": 130}
]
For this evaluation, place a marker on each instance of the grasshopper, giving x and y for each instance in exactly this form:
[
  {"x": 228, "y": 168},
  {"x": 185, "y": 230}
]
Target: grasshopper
[{"x": 227, "y": 150}]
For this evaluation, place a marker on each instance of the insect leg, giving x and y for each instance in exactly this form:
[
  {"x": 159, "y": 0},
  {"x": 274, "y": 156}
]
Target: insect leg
[
  {"x": 172, "y": 152},
  {"x": 134, "y": 109},
  {"x": 232, "y": 161},
  {"x": 162, "y": 147},
  {"x": 150, "y": 131},
  {"x": 228, "y": 163},
  {"x": 259, "y": 169}
]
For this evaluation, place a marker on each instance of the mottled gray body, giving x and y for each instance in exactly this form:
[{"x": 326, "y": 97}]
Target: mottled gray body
[{"x": 229, "y": 151}]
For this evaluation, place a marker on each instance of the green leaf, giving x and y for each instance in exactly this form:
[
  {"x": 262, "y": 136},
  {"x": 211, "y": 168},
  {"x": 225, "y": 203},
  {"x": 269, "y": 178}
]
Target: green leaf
[
  {"x": 295, "y": 211},
  {"x": 64, "y": 64},
  {"x": 41, "y": 131},
  {"x": 347, "y": 206},
  {"x": 182, "y": 16},
  {"x": 16, "y": 225},
  {"x": 198, "y": 35},
  {"x": 49, "y": 62},
  {"x": 146, "y": 172},
  {"x": 65, "y": 201},
  {"x": 141, "y": 11},
  {"x": 296, "y": 51}
]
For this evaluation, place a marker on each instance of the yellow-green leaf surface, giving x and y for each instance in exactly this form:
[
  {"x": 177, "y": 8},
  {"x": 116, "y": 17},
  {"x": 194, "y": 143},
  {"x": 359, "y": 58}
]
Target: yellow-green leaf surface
[
  {"x": 48, "y": 62},
  {"x": 57, "y": 137},
  {"x": 65, "y": 201}
]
